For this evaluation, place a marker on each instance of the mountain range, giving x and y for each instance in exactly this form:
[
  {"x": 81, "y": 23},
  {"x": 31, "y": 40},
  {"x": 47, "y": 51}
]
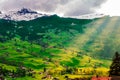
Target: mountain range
[{"x": 28, "y": 14}]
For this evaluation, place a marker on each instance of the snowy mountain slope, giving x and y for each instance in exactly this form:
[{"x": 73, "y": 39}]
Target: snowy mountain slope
[
  {"x": 23, "y": 14},
  {"x": 28, "y": 14}
]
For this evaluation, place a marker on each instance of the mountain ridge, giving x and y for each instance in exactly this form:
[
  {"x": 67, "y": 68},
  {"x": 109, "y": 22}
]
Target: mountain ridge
[
  {"x": 23, "y": 14},
  {"x": 28, "y": 14}
]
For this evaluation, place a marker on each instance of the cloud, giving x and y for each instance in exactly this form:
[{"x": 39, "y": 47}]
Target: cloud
[
  {"x": 81, "y": 7},
  {"x": 44, "y": 5},
  {"x": 65, "y": 7}
]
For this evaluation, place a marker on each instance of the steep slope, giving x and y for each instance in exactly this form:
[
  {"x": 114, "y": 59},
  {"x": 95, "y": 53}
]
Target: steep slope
[
  {"x": 98, "y": 39},
  {"x": 59, "y": 44}
]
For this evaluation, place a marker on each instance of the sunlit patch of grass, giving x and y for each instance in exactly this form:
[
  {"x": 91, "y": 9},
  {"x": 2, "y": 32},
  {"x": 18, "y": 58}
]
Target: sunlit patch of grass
[
  {"x": 22, "y": 78},
  {"x": 8, "y": 67},
  {"x": 102, "y": 71},
  {"x": 79, "y": 76}
]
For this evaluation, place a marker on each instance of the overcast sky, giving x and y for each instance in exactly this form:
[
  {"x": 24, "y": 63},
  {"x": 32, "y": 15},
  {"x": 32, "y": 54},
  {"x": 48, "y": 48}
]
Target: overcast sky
[{"x": 64, "y": 7}]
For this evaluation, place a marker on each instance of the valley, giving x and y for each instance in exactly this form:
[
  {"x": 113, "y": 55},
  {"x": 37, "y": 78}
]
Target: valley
[{"x": 52, "y": 46}]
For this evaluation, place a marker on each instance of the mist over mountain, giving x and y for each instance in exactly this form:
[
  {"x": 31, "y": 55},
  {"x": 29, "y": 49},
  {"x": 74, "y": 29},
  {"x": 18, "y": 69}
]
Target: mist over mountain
[
  {"x": 64, "y": 7},
  {"x": 28, "y": 14}
]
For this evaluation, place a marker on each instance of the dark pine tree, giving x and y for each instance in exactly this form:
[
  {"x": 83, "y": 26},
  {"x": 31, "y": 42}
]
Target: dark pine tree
[{"x": 115, "y": 66}]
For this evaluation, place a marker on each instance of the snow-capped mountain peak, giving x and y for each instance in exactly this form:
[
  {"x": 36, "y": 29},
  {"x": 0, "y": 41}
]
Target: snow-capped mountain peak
[
  {"x": 23, "y": 14},
  {"x": 26, "y": 11}
]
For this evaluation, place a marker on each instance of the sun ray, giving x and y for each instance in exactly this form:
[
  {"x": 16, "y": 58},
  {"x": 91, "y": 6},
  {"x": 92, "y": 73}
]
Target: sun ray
[
  {"x": 100, "y": 40},
  {"x": 80, "y": 40}
]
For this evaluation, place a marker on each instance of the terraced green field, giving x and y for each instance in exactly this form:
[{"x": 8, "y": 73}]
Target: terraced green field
[{"x": 59, "y": 47}]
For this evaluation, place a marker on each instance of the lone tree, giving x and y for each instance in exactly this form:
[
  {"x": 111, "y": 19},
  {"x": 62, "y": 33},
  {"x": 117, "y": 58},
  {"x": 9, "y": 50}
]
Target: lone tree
[{"x": 115, "y": 66}]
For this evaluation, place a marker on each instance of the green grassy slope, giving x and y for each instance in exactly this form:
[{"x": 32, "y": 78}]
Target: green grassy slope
[{"x": 58, "y": 44}]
